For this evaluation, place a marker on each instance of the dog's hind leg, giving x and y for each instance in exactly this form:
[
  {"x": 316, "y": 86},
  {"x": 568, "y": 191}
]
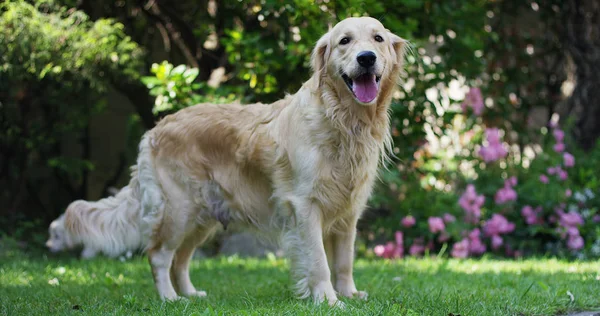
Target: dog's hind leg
[
  {"x": 160, "y": 258},
  {"x": 180, "y": 269}
]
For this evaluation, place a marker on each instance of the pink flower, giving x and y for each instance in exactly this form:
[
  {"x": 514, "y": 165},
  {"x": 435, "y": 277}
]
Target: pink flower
[
  {"x": 497, "y": 241},
  {"x": 379, "y": 250},
  {"x": 386, "y": 251},
  {"x": 531, "y": 215},
  {"x": 391, "y": 250},
  {"x": 436, "y": 224},
  {"x": 471, "y": 203},
  {"x": 512, "y": 181},
  {"x": 552, "y": 170},
  {"x": 494, "y": 150},
  {"x": 569, "y": 160},
  {"x": 460, "y": 249},
  {"x": 474, "y": 100},
  {"x": 444, "y": 237},
  {"x": 571, "y": 219},
  {"x": 544, "y": 179},
  {"x": 506, "y": 194},
  {"x": 498, "y": 224},
  {"x": 416, "y": 249},
  {"x": 474, "y": 234},
  {"x": 559, "y": 135},
  {"x": 399, "y": 249},
  {"x": 559, "y": 147},
  {"x": 399, "y": 238},
  {"x": 408, "y": 221},
  {"x": 596, "y": 218},
  {"x": 449, "y": 218},
  {"x": 563, "y": 175},
  {"x": 527, "y": 211},
  {"x": 573, "y": 231},
  {"x": 575, "y": 242},
  {"x": 568, "y": 193},
  {"x": 475, "y": 245}
]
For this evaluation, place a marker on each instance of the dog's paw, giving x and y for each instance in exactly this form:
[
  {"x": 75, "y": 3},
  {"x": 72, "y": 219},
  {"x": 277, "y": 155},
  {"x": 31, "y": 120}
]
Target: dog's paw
[
  {"x": 335, "y": 303},
  {"x": 362, "y": 295},
  {"x": 338, "y": 304},
  {"x": 324, "y": 291},
  {"x": 172, "y": 298},
  {"x": 200, "y": 294}
]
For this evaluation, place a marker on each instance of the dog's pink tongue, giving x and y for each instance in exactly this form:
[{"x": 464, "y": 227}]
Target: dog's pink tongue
[{"x": 365, "y": 88}]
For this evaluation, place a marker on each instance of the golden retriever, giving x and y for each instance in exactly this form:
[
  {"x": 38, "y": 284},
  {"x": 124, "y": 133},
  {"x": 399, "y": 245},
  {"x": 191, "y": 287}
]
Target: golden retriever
[{"x": 301, "y": 168}]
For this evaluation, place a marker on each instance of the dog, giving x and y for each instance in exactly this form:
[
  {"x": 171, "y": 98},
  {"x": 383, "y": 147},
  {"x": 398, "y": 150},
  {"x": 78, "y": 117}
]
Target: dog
[
  {"x": 60, "y": 239},
  {"x": 109, "y": 226},
  {"x": 299, "y": 170}
]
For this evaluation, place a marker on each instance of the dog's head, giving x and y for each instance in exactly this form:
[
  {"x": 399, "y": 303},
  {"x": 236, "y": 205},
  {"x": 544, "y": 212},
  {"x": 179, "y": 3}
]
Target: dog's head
[
  {"x": 59, "y": 237},
  {"x": 359, "y": 58}
]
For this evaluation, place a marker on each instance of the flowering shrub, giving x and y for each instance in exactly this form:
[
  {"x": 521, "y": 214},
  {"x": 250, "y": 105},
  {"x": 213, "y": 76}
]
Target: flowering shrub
[{"x": 545, "y": 203}]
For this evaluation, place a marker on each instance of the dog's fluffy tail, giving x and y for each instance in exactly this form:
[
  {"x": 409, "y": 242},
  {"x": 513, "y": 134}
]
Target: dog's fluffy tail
[
  {"x": 122, "y": 222},
  {"x": 110, "y": 225}
]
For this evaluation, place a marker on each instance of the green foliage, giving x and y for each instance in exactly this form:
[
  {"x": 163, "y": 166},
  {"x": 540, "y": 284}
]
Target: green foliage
[
  {"x": 174, "y": 88},
  {"x": 55, "y": 65},
  {"x": 63, "y": 44}
]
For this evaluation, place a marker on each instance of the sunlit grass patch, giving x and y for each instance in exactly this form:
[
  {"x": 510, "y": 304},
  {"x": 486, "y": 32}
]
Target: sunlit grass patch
[{"x": 31, "y": 285}]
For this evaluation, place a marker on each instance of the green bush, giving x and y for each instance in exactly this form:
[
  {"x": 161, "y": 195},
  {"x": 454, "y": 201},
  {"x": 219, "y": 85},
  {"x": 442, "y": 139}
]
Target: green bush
[
  {"x": 175, "y": 88},
  {"x": 55, "y": 65}
]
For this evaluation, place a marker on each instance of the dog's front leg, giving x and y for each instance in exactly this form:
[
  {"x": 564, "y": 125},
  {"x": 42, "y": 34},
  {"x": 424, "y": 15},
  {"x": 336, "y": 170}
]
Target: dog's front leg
[
  {"x": 309, "y": 260},
  {"x": 343, "y": 247}
]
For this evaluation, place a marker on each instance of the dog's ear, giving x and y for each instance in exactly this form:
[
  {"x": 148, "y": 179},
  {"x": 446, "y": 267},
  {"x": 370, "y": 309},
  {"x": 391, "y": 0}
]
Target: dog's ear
[
  {"x": 397, "y": 47},
  {"x": 320, "y": 55}
]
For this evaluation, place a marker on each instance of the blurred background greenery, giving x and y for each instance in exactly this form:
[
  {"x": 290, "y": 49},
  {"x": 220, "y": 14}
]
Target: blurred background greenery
[{"x": 81, "y": 80}]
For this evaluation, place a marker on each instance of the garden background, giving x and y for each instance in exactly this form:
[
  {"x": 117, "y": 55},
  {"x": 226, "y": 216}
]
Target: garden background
[{"x": 495, "y": 126}]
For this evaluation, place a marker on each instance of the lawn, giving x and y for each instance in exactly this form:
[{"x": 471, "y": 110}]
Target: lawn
[{"x": 42, "y": 285}]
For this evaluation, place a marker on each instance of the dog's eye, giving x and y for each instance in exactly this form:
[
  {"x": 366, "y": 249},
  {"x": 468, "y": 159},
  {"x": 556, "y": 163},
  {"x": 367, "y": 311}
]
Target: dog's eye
[
  {"x": 378, "y": 38},
  {"x": 345, "y": 41}
]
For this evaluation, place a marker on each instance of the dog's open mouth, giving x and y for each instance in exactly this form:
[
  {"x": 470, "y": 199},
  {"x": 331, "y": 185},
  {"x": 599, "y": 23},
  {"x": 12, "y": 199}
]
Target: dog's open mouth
[{"x": 365, "y": 87}]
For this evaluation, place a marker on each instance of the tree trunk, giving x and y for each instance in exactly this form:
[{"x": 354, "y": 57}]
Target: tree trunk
[{"x": 582, "y": 42}]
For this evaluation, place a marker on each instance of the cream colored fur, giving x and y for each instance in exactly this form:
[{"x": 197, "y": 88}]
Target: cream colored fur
[
  {"x": 300, "y": 169},
  {"x": 111, "y": 226}
]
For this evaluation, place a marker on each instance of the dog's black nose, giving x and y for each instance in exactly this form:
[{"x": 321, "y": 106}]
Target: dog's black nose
[{"x": 366, "y": 58}]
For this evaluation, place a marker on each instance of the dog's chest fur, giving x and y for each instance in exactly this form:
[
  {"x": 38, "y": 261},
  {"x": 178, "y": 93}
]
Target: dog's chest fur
[{"x": 345, "y": 172}]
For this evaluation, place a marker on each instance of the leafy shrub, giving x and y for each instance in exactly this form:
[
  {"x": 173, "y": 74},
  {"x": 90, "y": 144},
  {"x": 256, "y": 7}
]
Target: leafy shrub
[
  {"x": 486, "y": 197},
  {"x": 175, "y": 88},
  {"x": 55, "y": 65}
]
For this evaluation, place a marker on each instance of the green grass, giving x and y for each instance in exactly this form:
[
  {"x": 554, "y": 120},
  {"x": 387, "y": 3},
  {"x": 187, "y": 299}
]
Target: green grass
[{"x": 42, "y": 285}]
